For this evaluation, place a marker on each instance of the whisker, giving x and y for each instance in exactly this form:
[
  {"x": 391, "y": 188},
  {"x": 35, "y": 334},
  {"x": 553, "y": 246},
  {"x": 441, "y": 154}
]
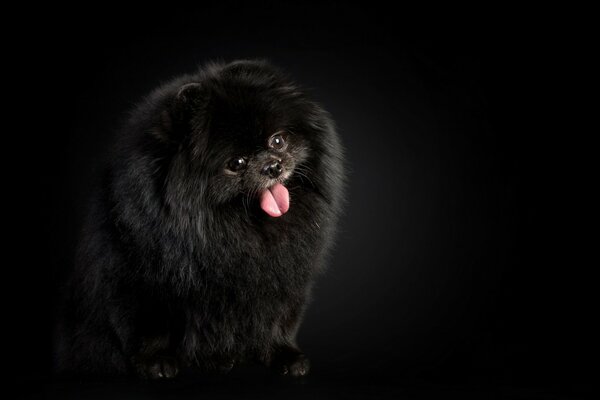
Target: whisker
[{"x": 302, "y": 173}]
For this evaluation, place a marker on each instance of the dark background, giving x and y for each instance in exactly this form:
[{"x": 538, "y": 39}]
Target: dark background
[{"x": 455, "y": 272}]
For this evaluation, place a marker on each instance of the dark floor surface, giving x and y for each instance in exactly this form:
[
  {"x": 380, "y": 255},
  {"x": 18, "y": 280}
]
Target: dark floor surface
[{"x": 256, "y": 382}]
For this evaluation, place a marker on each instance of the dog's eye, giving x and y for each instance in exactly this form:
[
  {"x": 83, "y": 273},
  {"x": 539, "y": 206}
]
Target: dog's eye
[
  {"x": 237, "y": 164},
  {"x": 276, "y": 142}
]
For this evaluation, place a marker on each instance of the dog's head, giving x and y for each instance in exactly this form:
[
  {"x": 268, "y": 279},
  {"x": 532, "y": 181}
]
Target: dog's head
[{"x": 248, "y": 130}]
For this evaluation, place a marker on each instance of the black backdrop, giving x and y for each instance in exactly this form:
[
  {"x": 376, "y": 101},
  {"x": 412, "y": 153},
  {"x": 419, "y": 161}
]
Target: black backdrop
[{"x": 451, "y": 270}]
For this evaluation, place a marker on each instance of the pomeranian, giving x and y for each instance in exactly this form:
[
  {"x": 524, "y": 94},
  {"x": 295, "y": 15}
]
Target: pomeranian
[{"x": 216, "y": 212}]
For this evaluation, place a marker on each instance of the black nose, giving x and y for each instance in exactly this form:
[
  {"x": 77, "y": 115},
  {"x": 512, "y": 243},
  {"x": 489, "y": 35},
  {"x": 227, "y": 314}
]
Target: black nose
[{"x": 272, "y": 169}]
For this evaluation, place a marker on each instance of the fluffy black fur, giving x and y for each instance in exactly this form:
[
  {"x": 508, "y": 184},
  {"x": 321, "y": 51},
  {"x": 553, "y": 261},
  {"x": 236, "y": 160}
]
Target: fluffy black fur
[{"x": 178, "y": 266}]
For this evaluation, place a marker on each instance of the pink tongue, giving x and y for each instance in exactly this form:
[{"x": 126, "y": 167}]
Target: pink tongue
[{"x": 275, "y": 200}]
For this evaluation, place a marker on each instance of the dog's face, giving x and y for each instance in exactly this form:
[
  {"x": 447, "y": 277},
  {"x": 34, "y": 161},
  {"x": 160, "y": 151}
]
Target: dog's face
[
  {"x": 254, "y": 138},
  {"x": 254, "y": 156}
]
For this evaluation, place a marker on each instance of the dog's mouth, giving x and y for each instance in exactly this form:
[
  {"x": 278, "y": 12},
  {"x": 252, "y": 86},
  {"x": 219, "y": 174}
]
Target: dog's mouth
[{"x": 275, "y": 200}]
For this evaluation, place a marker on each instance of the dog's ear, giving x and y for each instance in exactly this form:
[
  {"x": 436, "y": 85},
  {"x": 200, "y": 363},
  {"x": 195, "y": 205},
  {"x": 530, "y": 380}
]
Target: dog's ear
[
  {"x": 189, "y": 103},
  {"x": 189, "y": 95},
  {"x": 185, "y": 112}
]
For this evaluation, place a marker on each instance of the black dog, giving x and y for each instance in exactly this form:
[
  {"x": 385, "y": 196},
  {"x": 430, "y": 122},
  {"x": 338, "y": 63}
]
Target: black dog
[{"x": 215, "y": 215}]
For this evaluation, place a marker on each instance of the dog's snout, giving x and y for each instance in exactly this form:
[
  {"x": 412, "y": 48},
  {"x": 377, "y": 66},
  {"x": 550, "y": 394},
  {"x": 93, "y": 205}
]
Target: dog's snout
[{"x": 273, "y": 169}]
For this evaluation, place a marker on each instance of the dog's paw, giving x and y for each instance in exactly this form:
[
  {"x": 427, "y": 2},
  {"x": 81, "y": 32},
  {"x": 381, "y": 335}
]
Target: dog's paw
[
  {"x": 226, "y": 365},
  {"x": 157, "y": 368},
  {"x": 291, "y": 363}
]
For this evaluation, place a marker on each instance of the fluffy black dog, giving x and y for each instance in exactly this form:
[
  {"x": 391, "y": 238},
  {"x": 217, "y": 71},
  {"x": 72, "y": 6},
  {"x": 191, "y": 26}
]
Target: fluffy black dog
[{"x": 215, "y": 215}]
